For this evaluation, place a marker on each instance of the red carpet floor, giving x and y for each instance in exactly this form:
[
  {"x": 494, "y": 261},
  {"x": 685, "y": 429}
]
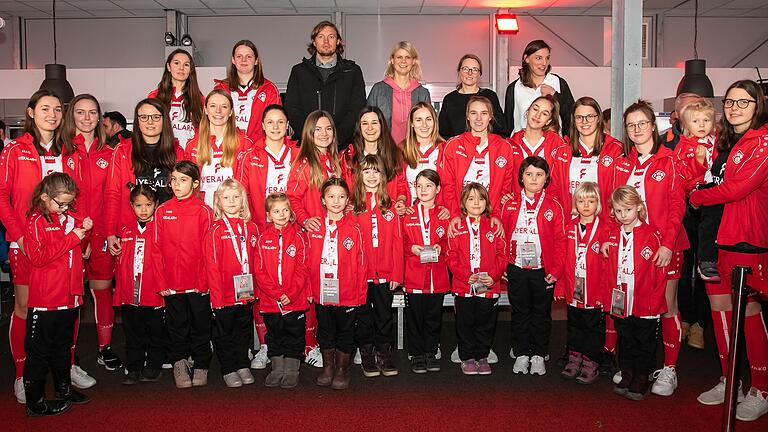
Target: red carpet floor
[{"x": 445, "y": 401}]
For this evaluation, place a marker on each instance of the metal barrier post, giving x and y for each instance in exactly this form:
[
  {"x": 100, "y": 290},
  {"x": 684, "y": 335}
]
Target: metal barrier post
[{"x": 739, "y": 285}]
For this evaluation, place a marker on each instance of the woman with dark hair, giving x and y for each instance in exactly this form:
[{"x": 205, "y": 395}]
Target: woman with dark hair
[
  {"x": 250, "y": 91},
  {"x": 145, "y": 160},
  {"x": 541, "y": 134},
  {"x": 453, "y": 112},
  {"x": 740, "y": 186},
  {"x": 179, "y": 92},
  {"x": 536, "y": 79},
  {"x": 650, "y": 168}
]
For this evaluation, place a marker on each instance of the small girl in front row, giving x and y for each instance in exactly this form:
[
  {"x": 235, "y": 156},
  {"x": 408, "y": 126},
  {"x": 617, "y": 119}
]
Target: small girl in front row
[
  {"x": 477, "y": 258},
  {"x": 633, "y": 291},
  {"x": 229, "y": 250},
  {"x": 181, "y": 224},
  {"x": 282, "y": 277},
  {"x": 425, "y": 242},
  {"x": 339, "y": 287},
  {"x": 581, "y": 287},
  {"x": 136, "y": 292},
  {"x": 52, "y": 243}
]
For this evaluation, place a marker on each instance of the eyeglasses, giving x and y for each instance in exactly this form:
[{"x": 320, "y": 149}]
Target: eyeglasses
[
  {"x": 741, "y": 103},
  {"x": 585, "y": 118},
  {"x": 470, "y": 70},
  {"x": 61, "y": 204},
  {"x": 639, "y": 126},
  {"x": 155, "y": 117}
]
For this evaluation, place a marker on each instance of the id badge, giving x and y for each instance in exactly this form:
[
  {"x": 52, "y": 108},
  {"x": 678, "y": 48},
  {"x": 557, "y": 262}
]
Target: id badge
[
  {"x": 104, "y": 248},
  {"x": 578, "y": 289},
  {"x": 280, "y": 306},
  {"x": 478, "y": 287},
  {"x": 529, "y": 256},
  {"x": 243, "y": 287},
  {"x": 136, "y": 289},
  {"x": 428, "y": 255},
  {"x": 329, "y": 291},
  {"x": 619, "y": 303}
]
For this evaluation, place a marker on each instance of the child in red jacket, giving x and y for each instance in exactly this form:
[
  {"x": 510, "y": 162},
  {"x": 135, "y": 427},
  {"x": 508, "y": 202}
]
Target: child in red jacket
[
  {"x": 181, "y": 224},
  {"x": 229, "y": 250},
  {"x": 283, "y": 282},
  {"x": 425, "y": 242},
  {"x": 477, "y": 258},
  {"x": 136, "y": 292},
  {"x": 337, "y": 269},
  {"x": 52, "y": 243},
  {"x": 633, "y": 291},
  {"x": 534, "y": 224}
]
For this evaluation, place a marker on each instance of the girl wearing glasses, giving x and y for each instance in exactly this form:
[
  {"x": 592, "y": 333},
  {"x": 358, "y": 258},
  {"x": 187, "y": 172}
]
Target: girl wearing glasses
[
  {"x": 453, "y": 113},
  {"x": 179, "y": 92},
  {"x": 742, "y": 238},
  {"x": 536, "y": 79},
  {"x": 649, "y": 167}
]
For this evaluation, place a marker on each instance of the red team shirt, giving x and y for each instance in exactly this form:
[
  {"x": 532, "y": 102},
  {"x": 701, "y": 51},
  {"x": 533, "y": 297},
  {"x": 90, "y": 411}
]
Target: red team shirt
[
  {"x": 281, "y": 266},
  {"x": 136, "y": 273},
  {"x": 213, "y": 174},
  {"x": 481, "y": 247},
  {"x": 249, "y": 105},
  {"x": 222, "y": 262},
  {"x": 420, "y": 228}
]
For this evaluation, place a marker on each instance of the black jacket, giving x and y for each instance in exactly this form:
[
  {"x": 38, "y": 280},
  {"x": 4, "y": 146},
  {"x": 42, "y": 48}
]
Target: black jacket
[{"x": 342, "y": 95}]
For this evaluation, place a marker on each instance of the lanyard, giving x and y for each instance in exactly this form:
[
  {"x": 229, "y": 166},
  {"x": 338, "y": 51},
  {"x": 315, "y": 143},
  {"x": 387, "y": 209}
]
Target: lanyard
[
  {"x": 279, "y": 163},
  {"x": 524, "y": 211},
  {"x": 581, "y": 259},
  {"x": 474, "y": 245},
  {"x": 424, "y": 222},
  {"x": 374, "y": 222},
  {"x": 242, "y": 253},
  {"x": 625, "y": 248},
  {"x": 280, "y": 259}
]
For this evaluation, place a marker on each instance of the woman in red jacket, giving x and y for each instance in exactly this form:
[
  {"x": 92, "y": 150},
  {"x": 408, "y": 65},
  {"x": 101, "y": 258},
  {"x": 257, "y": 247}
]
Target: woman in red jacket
[
  {"x": 383, "y": 240},
  {"x": 219, "y": 148},
  {"x": 650, "y": 168},
  {"x": 24, "y": 162},
  {"x": 83, "y": 135},
  {"x": 422, "y": 147},
  {"x": 179, "y": 92},
  {"x": 283, "y": 281},
  {"x": 53, "y": 237},
  {"x": 742, "y": 238},
  {"x": 541, "y": 134},
  {"x": 250, "y": 91},
  {"x": 337, "y": 270}
]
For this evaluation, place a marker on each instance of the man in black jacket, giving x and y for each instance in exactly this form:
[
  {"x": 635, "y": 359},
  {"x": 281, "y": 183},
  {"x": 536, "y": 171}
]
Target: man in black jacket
[{"x": 328, "y": 82}]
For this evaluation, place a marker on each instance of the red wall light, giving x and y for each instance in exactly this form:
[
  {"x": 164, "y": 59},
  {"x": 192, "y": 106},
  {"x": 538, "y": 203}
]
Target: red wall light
[{"x": 506, "y": 23}]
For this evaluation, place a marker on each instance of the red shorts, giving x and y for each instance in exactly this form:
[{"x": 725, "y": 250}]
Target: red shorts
[
  {"x": 101, "y": 264},
  {"x": 20, "y": 266},
  {"x": 675, "y": 267},
  {"x": 727, "y": 260}
]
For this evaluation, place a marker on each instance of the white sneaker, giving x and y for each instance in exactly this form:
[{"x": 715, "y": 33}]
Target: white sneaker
[
  {"x": 314, "y": 357},
  {"x": 80, "y": 378},
  {"x": 753, "y": 406},
  {"x": 455, "y": 356},
  {"x": 617, "y": 377},
  {"x": 537, "y": 365},
  {"x": 18, "y": 390},
  {"x": 521, "y": 365},
  {"x": 512, "y": 353},
  {"x": 438, "y": 354},
  {"x": 492, "y": 357},
  {"x": 260, "y": 360},
  {"x": 357, "y": 359},
  {"x": 666, "y": 381},
  {"x": 716, "y": 395}
]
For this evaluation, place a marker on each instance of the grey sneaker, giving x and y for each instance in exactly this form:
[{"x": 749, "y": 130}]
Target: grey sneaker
[
  {"x": 716, "y": 395},
  {"x": 232, "y": 380}
]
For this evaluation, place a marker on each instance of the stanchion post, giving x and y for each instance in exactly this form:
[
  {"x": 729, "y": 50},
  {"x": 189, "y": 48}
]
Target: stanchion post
[{"x": 739, "y": 285}]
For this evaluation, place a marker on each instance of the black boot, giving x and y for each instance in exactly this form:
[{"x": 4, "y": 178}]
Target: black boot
[
  {"x": 37, "y": 406},
  {"x": 368, "y": 361},
  {"x": 638, "y": 388},
  {"x": 384, "y": 360},
  {"x": 64, "y": 390}
]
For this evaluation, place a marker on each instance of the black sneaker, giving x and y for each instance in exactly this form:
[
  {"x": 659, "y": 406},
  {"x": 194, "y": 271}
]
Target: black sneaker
[
  {"x": 419, "y": 364},
  {"x": 108, "y": 359},
  {"x": 150, "y": 375},
  {"x": 433, "y": 364},
  {"x": 708, "y": 271},
  {"x": 607, "y": 365},
  {"x": 131, "y": 378}
]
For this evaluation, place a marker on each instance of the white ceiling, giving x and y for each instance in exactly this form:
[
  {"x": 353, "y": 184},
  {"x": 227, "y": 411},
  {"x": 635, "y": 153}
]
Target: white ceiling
[{"x": 154, "y": 8}]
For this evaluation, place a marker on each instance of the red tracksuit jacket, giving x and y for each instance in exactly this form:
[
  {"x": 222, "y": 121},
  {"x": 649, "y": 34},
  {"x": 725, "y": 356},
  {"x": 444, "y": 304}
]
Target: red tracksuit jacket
[
  {"x": 56, "y": 276},
  {"x": 689, "y": 168},
  {"x": 304, "y": 197},
  {"x": 411, "y": 199},
  {"x": 183, "y": 131},
  {"x": 124, "y": 280},
  {"x": 180, "y": 229},
  {"x": 493, "y": 258},
  {"x": 221, "y": 264},
  {"x": 94, "y": 169},
  {"x": 649, "y": 280},
  {"x": 190, "y": 154},
  {"x": 551, "y": 227},
  {"x": 560, "y": 185},
  {"x": 353, "y": 287},
  {"x": 458, "y": 155},
  {"x": 664, "y": 194},
  {"x": 254, "y": 174},
  {"x": 287, "y": 249},
  {"x": 595, "y": 261},
  {"x": 20, "y": 171},
  {"x": 418, "y": 275},
  {"x": 552, "y": 142},
  {"x": 396, "y": 187},
  {"x": 266, "y": 95},
  {"x": 744, "y": 192},
  {"x": 385, "y": 262}
]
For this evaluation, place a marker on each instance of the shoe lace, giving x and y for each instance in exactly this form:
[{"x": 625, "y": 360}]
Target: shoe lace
[{"x": 664, "y": 375}]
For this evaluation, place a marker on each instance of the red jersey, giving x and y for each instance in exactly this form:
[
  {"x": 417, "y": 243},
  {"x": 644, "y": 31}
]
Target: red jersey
[
  {"x": 212, "y": 174},
  {"x": 474, "y": 250},
  {"x": 429, "y": 159},
  {"x": 424, "y": 228},
  {"x": 183, "y": 131},
  {"x": 94, "y": 168},
  {"x": 281, "y": 267},
  {"x": 383, "y": 239},
  {"x": 546, "y": 148},
  {"x": 304, "y": 196},
  {"x": 584, "y": 262},
  {"x": 688, "y": 166},
  {"x": 229, "y": 254},
  {"x": 249, "y": 105},
  {"x": 136, "y": 273}
]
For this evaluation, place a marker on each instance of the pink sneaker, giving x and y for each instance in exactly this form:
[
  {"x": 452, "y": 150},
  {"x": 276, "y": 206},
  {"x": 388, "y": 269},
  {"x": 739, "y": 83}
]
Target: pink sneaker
[
  {"x": 483, "y": 368},
  {"x": 469, "y": 367}
]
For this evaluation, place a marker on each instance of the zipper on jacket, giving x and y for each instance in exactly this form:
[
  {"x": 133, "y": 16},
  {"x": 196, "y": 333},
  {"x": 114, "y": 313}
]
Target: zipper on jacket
[{"x": 319, "y": 101}]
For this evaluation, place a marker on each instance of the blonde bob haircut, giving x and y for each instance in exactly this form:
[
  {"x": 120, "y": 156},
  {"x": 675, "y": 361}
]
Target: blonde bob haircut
[
  {"x": 408, "y": 46},
  {"x": 228, "y": 185},
  {"x": 587, "y": 190},
  {"x": 628, "y": 196},
  {"x": 701, "y": 106}
]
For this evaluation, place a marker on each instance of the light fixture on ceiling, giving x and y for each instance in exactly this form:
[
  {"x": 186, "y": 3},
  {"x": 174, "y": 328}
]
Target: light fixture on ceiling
[
  {"x": 56, "y": 74},
  {"x": 186, "y": 40},
  {"x": 506, "y": 23},
  {"x": 695, "y": 79},
  {"x": 170, "y": 39}
]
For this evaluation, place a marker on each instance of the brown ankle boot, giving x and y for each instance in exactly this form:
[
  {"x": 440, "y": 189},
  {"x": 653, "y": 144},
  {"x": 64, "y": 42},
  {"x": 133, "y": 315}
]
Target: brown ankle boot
[
  {"x": 326, "y": 376},
  {"x": 341, "y": 375}
]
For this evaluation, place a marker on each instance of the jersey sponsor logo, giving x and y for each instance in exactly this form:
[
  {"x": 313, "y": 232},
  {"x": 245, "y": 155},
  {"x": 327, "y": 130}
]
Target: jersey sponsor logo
[
  {"x": 26, "y": 158},
  {"x": 606, "y": 161},
  {"x": 291, "y": 251},
  {"x": 101, "y": 163},
  {"x": 658, "y": 175},
  {"x": 501, "y": 161},
  {"x": 596, "y": 247},
  {"x": 388, "y": 215},
  {"x": 348, "y": 243},
  {"x": 71, "y": 163},
  {"x": 440, "y": 231},
  {"x": 187, "y": 127},
  {"x": 646, "y": 253},
  {"x": 241, "y": 109},
  {"x": 489, "y": 236},
  {"x": 262, "y": 96},
  {"x": 170, "y": 217},
  {"x": 737, "y": 157},
  {"x": 549, "y": 214}
]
